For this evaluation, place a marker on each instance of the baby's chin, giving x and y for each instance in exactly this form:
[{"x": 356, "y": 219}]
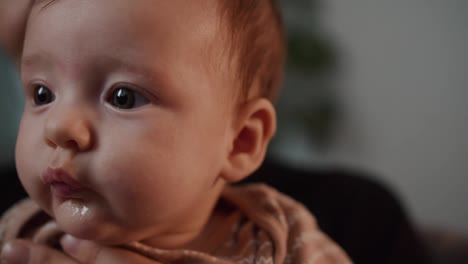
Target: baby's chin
[{"x": 80, "y": 220}]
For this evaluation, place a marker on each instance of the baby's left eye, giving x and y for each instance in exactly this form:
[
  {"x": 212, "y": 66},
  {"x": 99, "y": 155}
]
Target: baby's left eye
[{"x": 126, "y": 98}]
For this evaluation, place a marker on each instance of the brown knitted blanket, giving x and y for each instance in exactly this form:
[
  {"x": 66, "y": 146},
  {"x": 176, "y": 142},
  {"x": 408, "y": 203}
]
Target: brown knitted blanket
[{"x": 262, "y": 226}]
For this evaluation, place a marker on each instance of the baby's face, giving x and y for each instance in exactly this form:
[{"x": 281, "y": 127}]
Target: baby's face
[{"x": 126, "y": 126}]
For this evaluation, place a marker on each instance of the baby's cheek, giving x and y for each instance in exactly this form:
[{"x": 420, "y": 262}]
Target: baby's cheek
[
  {"x": 24, "y": 153},
  {"x": 31, "y": 161},
  {"x": 30, "y": 146},
  {"x": 126, "y": 191}
]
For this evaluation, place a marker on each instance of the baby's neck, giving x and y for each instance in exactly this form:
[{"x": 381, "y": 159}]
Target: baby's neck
[
  {"x": 194, "y": 230},
  {"x": 209, "y": 236}
]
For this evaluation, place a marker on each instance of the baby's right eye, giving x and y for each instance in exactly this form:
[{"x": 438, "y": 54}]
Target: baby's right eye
[
  {"x": 126, "y": 98},
  {"x": 43, "y": 95}
]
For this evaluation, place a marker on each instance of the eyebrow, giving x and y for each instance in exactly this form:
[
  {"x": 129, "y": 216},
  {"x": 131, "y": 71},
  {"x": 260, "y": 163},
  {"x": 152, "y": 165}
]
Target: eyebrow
[
  {"x": 47, "y": 3},
  {"x": 107, "y": 63},
  {"x": 148, "y": 72},
  {"x": 41, "y": 59}
]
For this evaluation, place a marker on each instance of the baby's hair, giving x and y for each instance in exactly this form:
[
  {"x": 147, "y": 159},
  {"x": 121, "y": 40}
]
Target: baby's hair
[{"x": 257, "y": 44}]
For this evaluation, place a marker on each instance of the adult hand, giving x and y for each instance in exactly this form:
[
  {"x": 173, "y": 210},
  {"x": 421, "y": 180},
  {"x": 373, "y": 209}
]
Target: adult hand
[{"x": 79, "y": 251}]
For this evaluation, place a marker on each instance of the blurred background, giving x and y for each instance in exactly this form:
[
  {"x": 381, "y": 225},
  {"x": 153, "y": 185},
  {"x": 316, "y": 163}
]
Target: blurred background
[
  {"x": 11, "y": 104},
  {"x": 380, "y": 86}
]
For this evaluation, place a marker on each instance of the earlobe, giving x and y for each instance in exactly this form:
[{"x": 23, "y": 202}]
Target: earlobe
[{"x": 255, "y": 126}]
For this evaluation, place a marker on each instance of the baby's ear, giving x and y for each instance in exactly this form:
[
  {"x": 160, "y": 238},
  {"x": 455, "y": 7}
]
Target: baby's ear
[{"x": 254, "y": 127}]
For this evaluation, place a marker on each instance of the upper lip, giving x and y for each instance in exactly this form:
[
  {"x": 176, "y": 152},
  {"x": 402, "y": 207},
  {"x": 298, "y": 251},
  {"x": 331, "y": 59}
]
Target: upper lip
[{"x": 58, "y": 175}]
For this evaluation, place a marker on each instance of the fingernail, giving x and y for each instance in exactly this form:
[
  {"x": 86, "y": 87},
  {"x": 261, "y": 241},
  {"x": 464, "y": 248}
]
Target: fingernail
[
  {"x": 15, "y": 253},
  {"x": 69, "y": 244}
]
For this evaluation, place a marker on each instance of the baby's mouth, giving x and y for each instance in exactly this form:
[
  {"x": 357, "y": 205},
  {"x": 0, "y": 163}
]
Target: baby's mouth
[
  {"x": 64, "y": 190},
  {"x": 61, "y": 183}
]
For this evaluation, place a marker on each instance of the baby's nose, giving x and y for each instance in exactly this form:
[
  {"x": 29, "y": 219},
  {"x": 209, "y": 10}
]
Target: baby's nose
[{"x": 69, "y": 128}]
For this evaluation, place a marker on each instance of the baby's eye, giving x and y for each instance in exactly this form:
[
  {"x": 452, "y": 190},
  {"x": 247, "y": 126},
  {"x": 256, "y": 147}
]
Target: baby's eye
[
  {"x": 126, "y": 98},
  {"x": 43, "y": 96}
]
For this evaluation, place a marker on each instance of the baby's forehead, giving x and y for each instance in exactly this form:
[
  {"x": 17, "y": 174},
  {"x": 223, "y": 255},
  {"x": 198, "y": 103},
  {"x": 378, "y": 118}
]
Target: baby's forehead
[
  {"x": 157, "y": 33},
  {"x": 202, "y": 18},
  {"x": 197, "y": 19}
]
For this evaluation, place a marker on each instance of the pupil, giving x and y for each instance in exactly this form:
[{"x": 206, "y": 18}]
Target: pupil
[
  {"x": 43, "y": 96},
  {"x": 124, "y": 98}
]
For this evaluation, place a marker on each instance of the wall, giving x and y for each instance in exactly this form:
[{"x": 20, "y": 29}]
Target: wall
[
  {"x": 404, "y": 90},
  {"x": 10, "y": 107}
]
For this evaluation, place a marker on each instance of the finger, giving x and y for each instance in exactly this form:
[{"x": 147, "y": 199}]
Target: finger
[
  {"x": 26, "y": 252},
  {"x": 89, "y": 252},
  {"x": 82, "y": 250}
]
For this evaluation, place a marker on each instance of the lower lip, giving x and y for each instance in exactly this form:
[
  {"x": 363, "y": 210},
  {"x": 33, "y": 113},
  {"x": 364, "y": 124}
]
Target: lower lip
[{"x": 64, "y": 190}]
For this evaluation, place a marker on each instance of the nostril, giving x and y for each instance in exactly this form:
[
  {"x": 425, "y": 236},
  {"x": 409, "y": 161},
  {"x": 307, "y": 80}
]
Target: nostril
[
  {"x": 71, "y": 144},
  {"x": 50, "y": 143}
]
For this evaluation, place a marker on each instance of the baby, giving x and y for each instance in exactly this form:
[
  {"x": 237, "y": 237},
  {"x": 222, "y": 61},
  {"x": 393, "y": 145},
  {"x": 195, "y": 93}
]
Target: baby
[{"x": 138, "y": 117}]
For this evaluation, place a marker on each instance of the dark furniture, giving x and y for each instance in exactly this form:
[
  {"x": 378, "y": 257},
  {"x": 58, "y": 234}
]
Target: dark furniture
[{"x": 361, "y": 215}]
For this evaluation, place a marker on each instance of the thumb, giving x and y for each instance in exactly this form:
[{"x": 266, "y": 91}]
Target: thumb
[
  {"x": 85, "y": 251},
  {"x": 26, "y": 252}
]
